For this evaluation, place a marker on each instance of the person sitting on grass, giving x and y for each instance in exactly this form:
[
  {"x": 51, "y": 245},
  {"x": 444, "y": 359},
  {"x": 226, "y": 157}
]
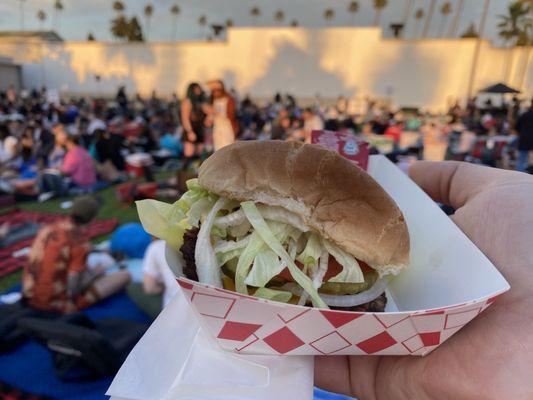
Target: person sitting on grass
[
  {"x": 159, "y": 282},
  {"x": 77, "y": 166},
  {"x": 56, "y": 276}
]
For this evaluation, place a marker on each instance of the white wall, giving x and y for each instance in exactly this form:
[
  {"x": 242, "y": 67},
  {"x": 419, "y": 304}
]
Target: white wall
[{"x": 261, "y": 61}]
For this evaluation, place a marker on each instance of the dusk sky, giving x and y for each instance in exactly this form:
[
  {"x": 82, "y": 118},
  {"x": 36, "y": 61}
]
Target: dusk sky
[{"x": 82, "y": 16}]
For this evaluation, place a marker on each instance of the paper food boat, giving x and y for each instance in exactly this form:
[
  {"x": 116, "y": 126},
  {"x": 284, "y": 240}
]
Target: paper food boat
[{"x": 448, "y": 283}]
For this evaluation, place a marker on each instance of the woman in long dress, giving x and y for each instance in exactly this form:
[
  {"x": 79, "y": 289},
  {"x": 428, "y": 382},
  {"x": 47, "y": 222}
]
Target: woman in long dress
[
  {"x": 193, "y": 114},
  {"x": 225, "y": 126}
]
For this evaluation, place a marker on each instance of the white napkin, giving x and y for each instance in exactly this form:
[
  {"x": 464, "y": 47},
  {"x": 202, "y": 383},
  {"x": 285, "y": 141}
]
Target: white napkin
[{"x": 176, "y": 359}]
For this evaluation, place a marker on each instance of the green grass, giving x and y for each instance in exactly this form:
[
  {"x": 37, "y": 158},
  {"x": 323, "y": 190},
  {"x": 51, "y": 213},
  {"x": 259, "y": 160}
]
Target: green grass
[{"x": 111, "y": 208}]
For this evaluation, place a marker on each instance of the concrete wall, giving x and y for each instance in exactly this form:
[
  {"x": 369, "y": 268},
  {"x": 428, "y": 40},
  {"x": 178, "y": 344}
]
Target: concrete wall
[
  {"x": 260, "y": 61},
  {"x": 10, "y": 74}
]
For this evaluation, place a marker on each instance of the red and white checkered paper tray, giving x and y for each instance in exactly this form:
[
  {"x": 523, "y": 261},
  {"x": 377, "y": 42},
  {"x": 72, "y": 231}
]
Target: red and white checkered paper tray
[{"x": 448, "y": 283}]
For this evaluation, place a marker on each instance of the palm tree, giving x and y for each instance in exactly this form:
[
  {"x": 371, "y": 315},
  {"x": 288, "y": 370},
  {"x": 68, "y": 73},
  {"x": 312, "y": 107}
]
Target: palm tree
[
  {"x": 452, "y": 32},
  {"x": 445, "y": 10},
  {"x": 58, "y": 7},
  {"x": 229, "y": 23},
  {"x": 329, "y": 14},
  {"x": 41, "y": 16},
  {"x": 174, "y": 11},
  {"x": 148, "y": 12},
  {"x": 202, "y": 22},
  {"x": 514, "y": 28},
  {"x": 427, "y": 23},
  {"x": 419, "y": 15},
  {"x": 21, "y": 14},
  {"x": 378, "y": 6},
  {"x": 473, "y": 69},
  {"x": 407, "y": 13},
  {"x": 255, "y": 12},
  {"x": 294, "y": 23},
  {"x": 279, "y": 16},
  {"x": 118, "y": 6},
  {"x": 353, "y": 8}
]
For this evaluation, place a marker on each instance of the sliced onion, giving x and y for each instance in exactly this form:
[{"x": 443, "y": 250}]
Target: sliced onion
[
  {"x": 350, "y": 300},
  {"x": 233, "y": 219},
  {"x": 271, "y": 213},
  {"x": 222, "y": 246},
  {"x": 204, "y": 254},
  {"x": 322, "y": 269}
]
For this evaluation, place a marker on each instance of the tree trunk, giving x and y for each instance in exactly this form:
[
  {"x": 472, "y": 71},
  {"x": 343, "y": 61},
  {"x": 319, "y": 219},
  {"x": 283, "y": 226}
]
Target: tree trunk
[
  {"x": 508, "y": 64},
  {"x": 452, "y": 32},
  {"x": 147, "y": 28},
  {"x": 377, "y": 17},
  {"x": 477, "y": 48},
  {"x": 442, "y": 24},
  {"x": 174, "y": 27},
  {"x": 417, "y": 29},
  {"x": 21, "y": 2},
  {"x": 523, "y": 72},
  {"x": 428, "y": 19},
  {"x": 407, "y": 11}
]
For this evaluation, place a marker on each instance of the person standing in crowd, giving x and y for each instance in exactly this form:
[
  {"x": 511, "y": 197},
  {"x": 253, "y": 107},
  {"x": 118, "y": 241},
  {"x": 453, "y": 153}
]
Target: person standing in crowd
[
  {"x": 524, "y": 127},
  {"x": 312, "y": 122},
  {"x": 122, "y": 98},
  {"x": 225, "y": 126},
  {"x": 193, "y": 114},
  {"x": 56, "y": 276}
]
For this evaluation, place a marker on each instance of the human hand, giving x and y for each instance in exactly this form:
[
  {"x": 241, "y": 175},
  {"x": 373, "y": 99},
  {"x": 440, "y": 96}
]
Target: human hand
[
  {"x": 191, "y": 136},
  {"x": 491, "y": 357}
]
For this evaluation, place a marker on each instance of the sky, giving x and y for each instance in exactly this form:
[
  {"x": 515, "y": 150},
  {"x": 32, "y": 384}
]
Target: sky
[{"x": 82, "y": 16}]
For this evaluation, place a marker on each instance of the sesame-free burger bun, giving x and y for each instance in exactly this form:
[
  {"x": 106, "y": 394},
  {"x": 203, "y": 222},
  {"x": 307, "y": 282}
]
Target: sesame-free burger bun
[{"x": 335, "y": 198}]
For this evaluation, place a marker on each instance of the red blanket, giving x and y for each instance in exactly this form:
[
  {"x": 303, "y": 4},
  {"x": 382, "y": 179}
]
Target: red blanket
[{"x": 8, "y": 263}]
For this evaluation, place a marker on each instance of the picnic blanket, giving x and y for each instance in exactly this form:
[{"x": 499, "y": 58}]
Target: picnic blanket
[
  {"x": 29, "y": 367},
  {"x": 9, "y": 264}
]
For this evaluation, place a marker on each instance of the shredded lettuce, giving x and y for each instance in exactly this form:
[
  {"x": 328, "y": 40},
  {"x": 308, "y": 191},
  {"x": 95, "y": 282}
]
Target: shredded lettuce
[
  {"x": 266, "y": 266},
  {"x": 226, "y": 250},
  {"x": 199, "y": 209},
  {"x": 163, "y": 220},
  {"x": 194, "y": 193},
  {"x": 271, "y": 294},
  {"x": 311, "y": 253},
  {"x": 204, "y": 254},
  {"x": 351, "y": 272},
  {"x": 267, "y": 234},
  {"x": 254, "y": 246},
  {"x": 170, "y": 221},
  {"x": 223, "y": 258}
]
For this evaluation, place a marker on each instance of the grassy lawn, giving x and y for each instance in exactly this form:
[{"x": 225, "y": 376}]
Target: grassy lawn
[{"x": 111, "y": 208}]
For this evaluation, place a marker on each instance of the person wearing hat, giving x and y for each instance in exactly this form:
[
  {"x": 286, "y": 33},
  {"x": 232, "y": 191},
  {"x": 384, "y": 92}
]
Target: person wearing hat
[
  {"x": 225, "y": 125},
  {"x": 56, "y": 276}
]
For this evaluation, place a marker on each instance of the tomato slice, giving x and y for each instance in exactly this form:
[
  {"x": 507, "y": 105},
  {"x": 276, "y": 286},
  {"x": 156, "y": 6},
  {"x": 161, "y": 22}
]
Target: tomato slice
[{"x": 334, "y": 268}]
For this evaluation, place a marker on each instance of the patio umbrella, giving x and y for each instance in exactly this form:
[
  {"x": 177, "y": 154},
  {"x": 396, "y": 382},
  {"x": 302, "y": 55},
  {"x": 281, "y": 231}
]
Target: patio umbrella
[{"x": 499, "y": 88}]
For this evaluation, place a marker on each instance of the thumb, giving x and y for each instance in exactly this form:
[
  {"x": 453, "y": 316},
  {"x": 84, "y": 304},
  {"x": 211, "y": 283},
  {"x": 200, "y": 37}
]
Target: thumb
[{"x": 454, "y": 183}]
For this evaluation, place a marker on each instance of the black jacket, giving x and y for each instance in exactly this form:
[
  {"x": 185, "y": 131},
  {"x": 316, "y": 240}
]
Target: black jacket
[{"x": 524, "y": 127}]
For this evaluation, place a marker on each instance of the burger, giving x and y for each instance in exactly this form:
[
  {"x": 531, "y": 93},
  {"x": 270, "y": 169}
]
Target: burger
[{"x": 288, "y": 222}]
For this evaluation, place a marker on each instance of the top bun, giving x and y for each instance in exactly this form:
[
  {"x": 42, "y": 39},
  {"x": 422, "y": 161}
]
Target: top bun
[{"x": 334, "y": 197}]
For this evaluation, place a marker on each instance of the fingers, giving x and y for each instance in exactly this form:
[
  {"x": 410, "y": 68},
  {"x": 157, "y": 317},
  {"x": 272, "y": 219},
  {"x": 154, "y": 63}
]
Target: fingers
[
  {"x": 453, "y": 183},
  {"x": 333, "y": 373}
]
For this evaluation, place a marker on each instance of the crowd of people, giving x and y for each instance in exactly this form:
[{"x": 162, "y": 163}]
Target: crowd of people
[{"x": 52, "y": 147}]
